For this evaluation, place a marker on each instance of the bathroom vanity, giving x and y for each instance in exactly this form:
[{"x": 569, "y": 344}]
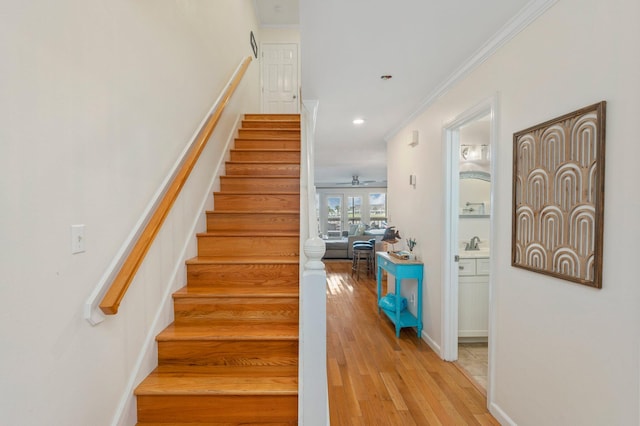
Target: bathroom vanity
[
  {"x": 473, "y": 295},
  {"x": 473, "y": 268}
]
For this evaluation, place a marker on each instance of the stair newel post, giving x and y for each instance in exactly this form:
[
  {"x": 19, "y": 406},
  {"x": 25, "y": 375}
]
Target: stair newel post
[
  {"x": 313, "y": 398},
  {"x": 313, "y": 390},
  {"x": 314, "y": 249}
]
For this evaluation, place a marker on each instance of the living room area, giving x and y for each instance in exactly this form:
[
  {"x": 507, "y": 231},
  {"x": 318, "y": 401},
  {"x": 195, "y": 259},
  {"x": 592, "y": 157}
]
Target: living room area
[{"x": 349, "y": 214}]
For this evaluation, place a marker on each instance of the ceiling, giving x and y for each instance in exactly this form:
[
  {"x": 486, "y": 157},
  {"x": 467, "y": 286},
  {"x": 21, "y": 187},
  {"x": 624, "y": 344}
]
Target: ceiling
[{"x": 346, "y": 46}]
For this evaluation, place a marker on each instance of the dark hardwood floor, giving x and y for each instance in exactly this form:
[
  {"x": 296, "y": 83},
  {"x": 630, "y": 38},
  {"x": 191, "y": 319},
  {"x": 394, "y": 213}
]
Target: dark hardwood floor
[{"x": 378, "y": 379}]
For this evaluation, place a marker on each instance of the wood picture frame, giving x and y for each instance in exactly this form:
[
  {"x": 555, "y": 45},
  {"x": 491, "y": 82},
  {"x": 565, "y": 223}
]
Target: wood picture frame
[{"x": 558, "y": 196}]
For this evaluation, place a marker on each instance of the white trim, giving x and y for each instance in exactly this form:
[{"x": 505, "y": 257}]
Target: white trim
[
  {"x": 450, "y": 285},
  {"x": 527, "y": 15},
  {"x": 156, "y": 326},
  {"x": 493, "y": 232},
  {"x": 500, "y": 415},
  {"x": 92, "y": 312},
  {"x": 432, "y": 343},
  {"x": 312, "y": 105}
]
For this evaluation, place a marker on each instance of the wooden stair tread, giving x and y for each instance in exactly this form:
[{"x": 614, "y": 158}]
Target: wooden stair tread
[
  {"x": 256, "y": 193},
  {"x": 260, "y": 120},
  {"x": 249, "y": 233},
  {"x": 217, "y": 424},
  {"x": 265, "y": 150},
  {"x": 274, "y": 162},
  {"x": 266, "y": 116},
  {"x": 266, "y": 260},
  {"x": 250, "y": 212},
  {"x": 235, "y": 291},
  {"x": 210, "y": 381},
  {"x": 229, "y": 370},
  {"x": 230, "y": 331},
  {"x": 285, "y": 129},
  {"x": 275, "y": 125},
  {"x": 274, "y": 177},
  {"x": 295, "y": 138}
]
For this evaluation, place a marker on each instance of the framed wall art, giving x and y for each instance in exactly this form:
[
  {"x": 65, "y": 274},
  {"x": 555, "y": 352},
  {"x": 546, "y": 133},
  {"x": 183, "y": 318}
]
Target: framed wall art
[
  {"x": 254, "y": 45},
  {"x": 558, "y": 196}
]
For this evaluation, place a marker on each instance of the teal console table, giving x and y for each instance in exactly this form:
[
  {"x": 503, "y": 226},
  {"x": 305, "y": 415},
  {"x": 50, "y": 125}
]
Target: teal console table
[{"x": 401, "y": 269}]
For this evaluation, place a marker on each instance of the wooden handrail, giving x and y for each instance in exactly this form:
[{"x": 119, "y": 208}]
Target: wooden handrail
[{"x": 118, "y": 288}]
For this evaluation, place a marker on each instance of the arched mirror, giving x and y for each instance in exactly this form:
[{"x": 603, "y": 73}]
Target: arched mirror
[
  {"x": 475, "y": 193},
  {"x": 476, "y": 175}
]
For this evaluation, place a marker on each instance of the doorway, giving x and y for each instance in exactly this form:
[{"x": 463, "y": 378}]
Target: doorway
[
  {"x": 280, "y": 78},
  {"x": 469, "y": 141}
]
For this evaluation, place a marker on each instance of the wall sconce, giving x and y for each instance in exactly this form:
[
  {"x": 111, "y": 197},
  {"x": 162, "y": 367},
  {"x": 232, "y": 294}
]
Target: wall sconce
[
  {"x": 412, "y": 180},
  {"x": 414, "y": 138}
]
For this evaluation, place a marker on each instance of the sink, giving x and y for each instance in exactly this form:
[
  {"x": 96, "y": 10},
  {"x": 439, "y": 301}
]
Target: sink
[{"x": 472, "y": 254}]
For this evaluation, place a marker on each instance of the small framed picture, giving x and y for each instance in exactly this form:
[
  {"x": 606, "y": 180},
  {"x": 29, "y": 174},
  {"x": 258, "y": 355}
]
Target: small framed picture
[{"x": 254, "y": 45}]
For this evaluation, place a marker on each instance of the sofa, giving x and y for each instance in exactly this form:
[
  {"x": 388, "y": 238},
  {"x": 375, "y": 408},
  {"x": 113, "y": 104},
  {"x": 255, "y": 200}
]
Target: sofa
[{"x": 342, "y": 248}]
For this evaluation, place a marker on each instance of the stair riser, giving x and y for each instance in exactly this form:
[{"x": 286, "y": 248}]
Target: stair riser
[
  {"x": 244, "y": 275},
  {"x": 269, "y": 133},
  {"x": 228, "y": 352},
  {"x": 259, "y": 184},
  {"x": 249, "y": 409},
  {"x": 266, "y": 144},
  {"x": 266, "y": 156},
  {"x": 272, "y": 117},
  {"x": 218, "y": 221},
  {"x": 247, "y": 246},
  {"x": 270, "y": 124},
  {"x": 256, "y": 202},
  {"x": 262, "y": 169},
  {"x": 219, "y": 310}
]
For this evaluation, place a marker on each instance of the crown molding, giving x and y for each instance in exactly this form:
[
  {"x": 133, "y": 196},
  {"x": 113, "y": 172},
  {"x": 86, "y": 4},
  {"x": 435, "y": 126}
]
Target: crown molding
[{"x": 523, "y": 19}]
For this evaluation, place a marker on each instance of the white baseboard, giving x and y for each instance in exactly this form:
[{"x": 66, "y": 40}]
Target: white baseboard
[
  {"x": 432, "y": 343},
  {"x": 500, "y": 415}
]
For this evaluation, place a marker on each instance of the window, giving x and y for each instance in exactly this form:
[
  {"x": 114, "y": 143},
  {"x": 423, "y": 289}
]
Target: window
[
  {"x": 354, "y": 214},
  {"x": 340, "y": 208},
  {"x": 334, "y": 215},
  {"x": 378, "y": 210}
]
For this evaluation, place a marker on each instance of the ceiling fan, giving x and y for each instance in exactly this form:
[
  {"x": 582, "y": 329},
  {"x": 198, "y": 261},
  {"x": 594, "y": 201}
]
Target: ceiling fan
[{"x": 357, "y": 182}]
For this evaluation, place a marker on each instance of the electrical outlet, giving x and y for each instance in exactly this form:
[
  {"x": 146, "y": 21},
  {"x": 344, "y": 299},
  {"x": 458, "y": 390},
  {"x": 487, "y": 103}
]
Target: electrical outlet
[{"x": 412, "y": 299}]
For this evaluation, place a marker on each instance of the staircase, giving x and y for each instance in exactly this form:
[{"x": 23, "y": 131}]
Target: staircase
[{"x": 231, "y": 355}]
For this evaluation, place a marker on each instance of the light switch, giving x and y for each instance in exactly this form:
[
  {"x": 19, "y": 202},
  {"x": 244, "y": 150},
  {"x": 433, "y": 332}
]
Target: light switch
[{"x": 77, "y": 239}]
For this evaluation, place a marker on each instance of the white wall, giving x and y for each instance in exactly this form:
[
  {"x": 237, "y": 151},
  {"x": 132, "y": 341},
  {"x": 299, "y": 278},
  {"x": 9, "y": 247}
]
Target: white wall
[
  {"x": 97, "y": 100},
  {"x": 564, "y": 353},
  {"x": 279, "y": 35}
]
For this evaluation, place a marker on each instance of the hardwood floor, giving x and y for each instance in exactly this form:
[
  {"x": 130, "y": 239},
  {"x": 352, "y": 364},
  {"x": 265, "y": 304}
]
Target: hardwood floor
[{"x": 377, "y": 379}]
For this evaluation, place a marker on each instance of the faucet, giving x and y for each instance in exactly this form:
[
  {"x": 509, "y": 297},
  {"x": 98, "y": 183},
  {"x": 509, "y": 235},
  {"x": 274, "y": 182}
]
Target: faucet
[{"x": 473, "y": 244}]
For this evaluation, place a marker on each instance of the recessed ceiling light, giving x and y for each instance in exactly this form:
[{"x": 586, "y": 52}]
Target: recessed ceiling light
[{"x": 358, "y": 121}]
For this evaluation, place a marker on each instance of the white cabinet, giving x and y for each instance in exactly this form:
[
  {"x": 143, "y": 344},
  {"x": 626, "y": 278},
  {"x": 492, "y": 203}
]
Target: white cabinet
[
  {"x": 473, "y": 297},
  {"x": 466, "y": 267},
  {"x": 482, "y": 266}
]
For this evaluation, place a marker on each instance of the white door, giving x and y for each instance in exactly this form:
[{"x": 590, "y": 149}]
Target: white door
[{"x": 280, "y": 78}]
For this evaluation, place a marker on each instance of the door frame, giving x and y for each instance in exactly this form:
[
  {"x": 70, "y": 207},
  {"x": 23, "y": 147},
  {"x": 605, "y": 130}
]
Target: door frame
[{"x": 451, "y": 150}]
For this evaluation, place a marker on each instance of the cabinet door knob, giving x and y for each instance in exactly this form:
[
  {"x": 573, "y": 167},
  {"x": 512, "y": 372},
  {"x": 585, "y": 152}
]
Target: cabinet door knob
[{"x": 461, "y": 267}]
